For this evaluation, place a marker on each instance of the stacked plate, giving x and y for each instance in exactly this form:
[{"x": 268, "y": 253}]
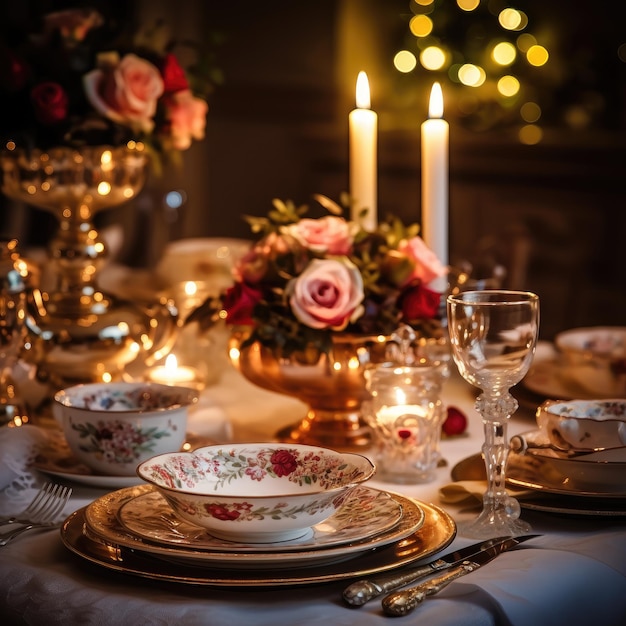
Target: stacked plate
[
  {"x": 545, "y": 479},
  {"x": 134, "y": 530}
]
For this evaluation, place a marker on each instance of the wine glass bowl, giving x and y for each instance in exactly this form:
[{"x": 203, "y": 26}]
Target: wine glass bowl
[{"x": 493, "y": 334}]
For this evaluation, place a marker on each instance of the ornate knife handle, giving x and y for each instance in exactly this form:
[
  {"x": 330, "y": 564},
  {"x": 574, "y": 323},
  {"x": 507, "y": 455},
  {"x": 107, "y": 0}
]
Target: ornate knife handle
[
  {"x": 403, "y": 602},
  {"x": 362, "y": 591}
]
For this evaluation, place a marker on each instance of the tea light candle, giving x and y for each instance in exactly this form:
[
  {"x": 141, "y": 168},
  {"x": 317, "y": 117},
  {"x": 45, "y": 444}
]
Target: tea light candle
[
  {"x": 173, "y": 374},
  {"x": 363, "y": 125}
]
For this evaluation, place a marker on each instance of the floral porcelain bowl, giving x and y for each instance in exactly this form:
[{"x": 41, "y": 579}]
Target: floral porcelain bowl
[
  {"x": 256, "y": 492},
  {"x": 112, "y": 427},
  {"x": 583, "y": 425}
]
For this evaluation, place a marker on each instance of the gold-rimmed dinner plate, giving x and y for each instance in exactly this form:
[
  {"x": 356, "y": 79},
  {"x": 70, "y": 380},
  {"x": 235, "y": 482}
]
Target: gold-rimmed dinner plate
[
  {"x": 543, "y": 497},
  {"x": 365, "y": 514},
  {"x": 103, "y": 524},
  {"x": 437, "y": 532}
]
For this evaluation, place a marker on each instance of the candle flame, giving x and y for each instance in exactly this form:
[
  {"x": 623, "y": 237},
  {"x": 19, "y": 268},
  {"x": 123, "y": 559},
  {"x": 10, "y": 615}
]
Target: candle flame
[
  {"x": 435, "y": 106},
  {"x": 362, "y": 91},
  {"x": 171, "y": 363}
]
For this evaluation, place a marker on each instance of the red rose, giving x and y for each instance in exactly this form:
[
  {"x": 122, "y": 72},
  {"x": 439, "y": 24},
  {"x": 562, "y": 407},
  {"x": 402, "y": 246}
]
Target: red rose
[
  {"x": 420, "y": 303},
  {"x": 173, "y": 75},
  {"x": 239, "y": 303},
  {"x": 283, "y": 463},
  {"x": 50, "y": 103}
]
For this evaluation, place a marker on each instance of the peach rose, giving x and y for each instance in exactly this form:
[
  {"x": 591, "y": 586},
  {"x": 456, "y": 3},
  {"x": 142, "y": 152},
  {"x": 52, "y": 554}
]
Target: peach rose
[
  {"x": 328, "y": 294},
  {"x": 326, "y": 235},
  {"x": 126, "y": 91},
  {"x": 187, "y": 116},
  {"x": 427, "y": 265}
]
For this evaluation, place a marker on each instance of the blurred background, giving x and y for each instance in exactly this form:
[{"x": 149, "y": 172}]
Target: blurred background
[{"x": 537, "y": 130}]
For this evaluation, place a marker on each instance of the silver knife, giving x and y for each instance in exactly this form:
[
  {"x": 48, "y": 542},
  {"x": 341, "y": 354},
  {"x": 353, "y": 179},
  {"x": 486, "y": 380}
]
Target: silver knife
[
  {"x": 363, "y": 591},
  {"x": 402, "y": 602}
]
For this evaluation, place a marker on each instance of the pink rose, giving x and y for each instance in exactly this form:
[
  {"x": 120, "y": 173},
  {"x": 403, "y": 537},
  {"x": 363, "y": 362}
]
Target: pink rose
[
  {"x": 326, "y": 235},
  {"x": 187, "y": 117},
  {"x": 328, "y": 294},
  {"x": 427, "y": 265},
  {"x": 125, "y": 91}
]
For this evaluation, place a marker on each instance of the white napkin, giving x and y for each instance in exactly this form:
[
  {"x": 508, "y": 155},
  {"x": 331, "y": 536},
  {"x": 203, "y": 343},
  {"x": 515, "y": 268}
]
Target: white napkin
[{"x": 18, "y": 482}]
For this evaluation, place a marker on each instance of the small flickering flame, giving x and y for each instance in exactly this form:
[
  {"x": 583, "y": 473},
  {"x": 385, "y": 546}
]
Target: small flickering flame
[
  {"x": 362, "y": 91},
  {"x": 435, "y": 106}
]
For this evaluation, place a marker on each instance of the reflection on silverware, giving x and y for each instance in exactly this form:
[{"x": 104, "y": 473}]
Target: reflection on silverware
[
  {"x": 521, "y": 445},
  {"x": 403, "y": 602},
  {"x": 363, "y": 591}
]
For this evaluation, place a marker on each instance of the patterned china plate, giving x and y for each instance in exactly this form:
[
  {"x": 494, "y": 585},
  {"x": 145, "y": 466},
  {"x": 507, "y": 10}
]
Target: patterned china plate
[
  {"x": 103, "y": 524},
  {"x": 366, "y": 513},
  {"x": 437, "y": 532}
]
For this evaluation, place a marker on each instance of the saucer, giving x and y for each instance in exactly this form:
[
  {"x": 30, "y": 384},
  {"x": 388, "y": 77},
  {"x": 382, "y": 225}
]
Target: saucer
[
  {"x": 103, "y": 525},
  {"x": 367, "y": 512}
]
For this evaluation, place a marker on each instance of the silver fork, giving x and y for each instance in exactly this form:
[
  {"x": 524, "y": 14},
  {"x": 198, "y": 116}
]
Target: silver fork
[
  {"x": 45, "y": 515},
  {"x": 38, "y": 503}
]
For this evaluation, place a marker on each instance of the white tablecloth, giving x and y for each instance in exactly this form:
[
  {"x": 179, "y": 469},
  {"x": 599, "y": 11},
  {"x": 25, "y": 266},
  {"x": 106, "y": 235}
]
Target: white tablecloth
[{"x": 575, "y": 573}]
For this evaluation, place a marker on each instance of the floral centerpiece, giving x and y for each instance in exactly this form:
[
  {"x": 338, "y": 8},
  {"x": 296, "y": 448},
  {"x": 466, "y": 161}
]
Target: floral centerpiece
[
  {"x": 305, "y": 280},
  {"x": 77, "y": 77}
]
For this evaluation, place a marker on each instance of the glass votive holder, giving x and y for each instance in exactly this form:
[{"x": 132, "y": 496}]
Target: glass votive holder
[{"x": 406, "y": 413}]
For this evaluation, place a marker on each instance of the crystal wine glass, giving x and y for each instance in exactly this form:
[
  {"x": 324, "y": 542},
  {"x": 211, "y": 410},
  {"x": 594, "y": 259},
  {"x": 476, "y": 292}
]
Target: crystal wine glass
[{"x": 493, "y": 334}]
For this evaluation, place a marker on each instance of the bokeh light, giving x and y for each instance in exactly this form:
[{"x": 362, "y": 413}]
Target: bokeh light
[
  {"x": 433, "y": 58},
  {"x": 530, "y": 134},
  {"x": 472, "y": 75},
  {"x": 421, "y": 25},
  {"x": 468, "y": 5},
  {"x": 504, "y": 53},
  {"x": 510, "y": 19},
  {"x": 525, "y": 41},
  {"x": 404, "y": 61},
  {"x": 530, "y": 112},
  {"x": 537, "y": 55},
  {"x": 508, "y": 86}
]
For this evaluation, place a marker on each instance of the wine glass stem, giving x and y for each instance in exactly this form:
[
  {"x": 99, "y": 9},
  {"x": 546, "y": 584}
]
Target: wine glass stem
[{"x": 495, "y": 412}]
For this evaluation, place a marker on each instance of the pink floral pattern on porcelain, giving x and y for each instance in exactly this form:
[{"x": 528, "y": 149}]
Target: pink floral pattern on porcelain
[
  {"x": 219, "y": 468},
  {"x": 115, "y": 441}
]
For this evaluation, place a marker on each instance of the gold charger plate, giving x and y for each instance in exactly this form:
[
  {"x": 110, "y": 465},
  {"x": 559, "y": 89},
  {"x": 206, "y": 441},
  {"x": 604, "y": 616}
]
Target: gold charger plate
[
  {"x": 103, "y": 524},
  {"x": 436, "y": 533},
  {"x": 543, "y": 498}
]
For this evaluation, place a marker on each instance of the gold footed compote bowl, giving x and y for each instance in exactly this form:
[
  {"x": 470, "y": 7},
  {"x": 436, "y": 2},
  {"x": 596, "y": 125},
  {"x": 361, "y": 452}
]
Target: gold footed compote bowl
[
  {"x": 493, "y": 335},
  {"x": 332, "y": 385},
  {"x": 76, "y": 331}
]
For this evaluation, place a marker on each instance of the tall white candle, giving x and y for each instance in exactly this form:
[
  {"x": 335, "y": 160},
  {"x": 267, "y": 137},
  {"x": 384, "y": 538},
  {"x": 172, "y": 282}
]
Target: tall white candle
[
  {"x": 435, "y": 182},
  {"x": 363, "y": 128}
]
